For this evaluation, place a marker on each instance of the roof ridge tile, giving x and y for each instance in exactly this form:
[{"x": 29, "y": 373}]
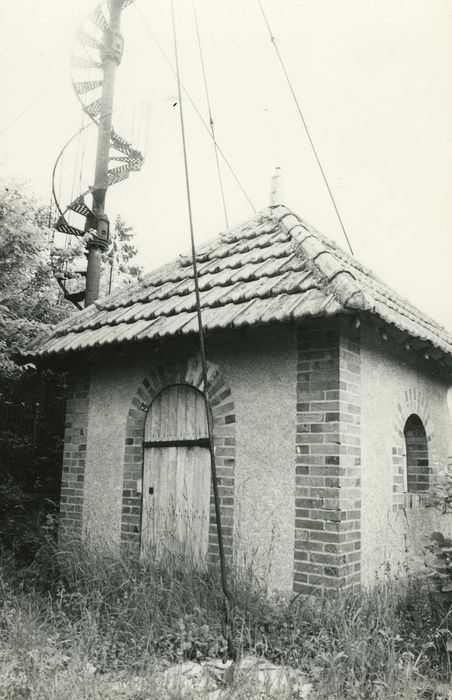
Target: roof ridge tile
[{"x": 342, "y": 283}]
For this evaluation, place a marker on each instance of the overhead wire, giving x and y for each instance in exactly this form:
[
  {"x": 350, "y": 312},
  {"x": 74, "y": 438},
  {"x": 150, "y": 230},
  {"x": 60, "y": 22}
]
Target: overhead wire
[
  {"x": 21, "y": 114},
  {"x": 133, "y": 137},
  {"x": 228, "y": 599},
  {"x": 139, "y": 127},
  {"x": 187, "y": 94},
  {"x": 143, "y": 126},
  {"x": 148, "y": 129},
  {"x": 77, "y": 156},
  {"x": 82, "y": 158},
  {"x": 211, "y": 122},
  {"x": 303, "y": 120}
]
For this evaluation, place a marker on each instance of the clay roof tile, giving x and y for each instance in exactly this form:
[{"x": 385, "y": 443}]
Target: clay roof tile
[{"x": 274, "y": 267}]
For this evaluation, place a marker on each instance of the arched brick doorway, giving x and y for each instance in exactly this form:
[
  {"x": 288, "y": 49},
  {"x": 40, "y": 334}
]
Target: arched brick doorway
[
  {"x": 176, "y": 474},
  {"x": 224, "y": 422}
]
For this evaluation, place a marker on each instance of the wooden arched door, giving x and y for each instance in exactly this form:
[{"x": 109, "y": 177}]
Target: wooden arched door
[{"x": 176, "y": 474}]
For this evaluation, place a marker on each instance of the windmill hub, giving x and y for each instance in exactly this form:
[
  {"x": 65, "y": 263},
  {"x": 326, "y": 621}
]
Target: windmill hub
[
  {"x": 100, "y": 230},
  {"x": 113, "y": 47}
]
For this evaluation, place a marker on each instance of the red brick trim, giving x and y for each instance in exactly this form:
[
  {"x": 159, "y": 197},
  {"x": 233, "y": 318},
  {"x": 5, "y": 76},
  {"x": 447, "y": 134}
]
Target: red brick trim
[
  {"x": 74, "y": 456},
  {"x": 328, "y": 457},
  {"x": 224, "y": 418},
  {"x": 413, "y": 401}
]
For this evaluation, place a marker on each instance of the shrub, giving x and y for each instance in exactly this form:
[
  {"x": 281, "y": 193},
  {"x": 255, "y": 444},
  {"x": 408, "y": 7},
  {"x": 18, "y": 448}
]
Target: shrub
[
  {"x": 121, "y": 614},
  {"x": 27, "y": 521}
]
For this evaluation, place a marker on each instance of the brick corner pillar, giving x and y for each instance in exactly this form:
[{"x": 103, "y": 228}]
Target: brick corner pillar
[
  {"x": 328, "y": 457},
  {"x": 74, "y": 457}
]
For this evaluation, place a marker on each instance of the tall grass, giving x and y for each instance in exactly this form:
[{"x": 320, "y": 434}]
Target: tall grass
[{"x": 92, "y": 609}]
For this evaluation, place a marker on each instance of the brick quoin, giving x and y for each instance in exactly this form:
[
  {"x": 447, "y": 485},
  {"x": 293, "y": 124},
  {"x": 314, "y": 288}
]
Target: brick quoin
[
  {"x": 74, "y": 456},
  {"x": 328, "y": 457},
  {"x": 224, "y": 419}
]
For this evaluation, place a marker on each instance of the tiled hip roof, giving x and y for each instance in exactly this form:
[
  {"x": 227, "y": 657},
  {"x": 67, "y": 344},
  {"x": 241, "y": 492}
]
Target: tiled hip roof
[{"x": 272, "y": 268}]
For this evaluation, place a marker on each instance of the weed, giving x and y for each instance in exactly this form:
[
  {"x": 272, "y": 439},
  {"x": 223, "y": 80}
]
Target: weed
[{"x": 77, "y": 609}]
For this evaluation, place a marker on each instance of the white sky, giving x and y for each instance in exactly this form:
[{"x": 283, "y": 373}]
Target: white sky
[{"x": 373, "y": 79}]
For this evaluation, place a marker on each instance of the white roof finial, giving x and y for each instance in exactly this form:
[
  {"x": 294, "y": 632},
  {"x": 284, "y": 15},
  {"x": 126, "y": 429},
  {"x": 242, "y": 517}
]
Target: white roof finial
[{"x": 276, "y": 188}]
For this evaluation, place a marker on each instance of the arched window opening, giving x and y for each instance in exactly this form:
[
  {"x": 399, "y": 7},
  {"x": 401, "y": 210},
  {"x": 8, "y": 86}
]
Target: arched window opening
[
  {"x": 416, "y": 450},
  {"x": 176, "y": 473}
]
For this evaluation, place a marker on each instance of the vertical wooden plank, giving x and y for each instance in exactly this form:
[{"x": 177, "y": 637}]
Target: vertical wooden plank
[
  {"x": 181, "y": 412},
  {"x": 196, "y": 416},
  {"x": 147, "y": 425},
  {"x": 156, "y": 456},
  {"x": 146, "y": 505},
  {"x": 150, "y": 515},
  {"x": 201, "y": 430},
  {"x": 202, "y": 497},
  {"x": 189, "y": 485},
  {"x": 196, "y": 502},
  {"x": 165, "y": 525},
  {"x": 190, "y": 397},
  {"x": 152, "y": 421},
  {"x": 154, "y": 483},
  {"x": 171, "y": 431},
  {"x": 163, "y": 407},
  {"x": 179, "y": 494},
  {"x": 205, "y": 479},
  {"x": 177, "y": 513},
  {"x": 173, "y": 497}
]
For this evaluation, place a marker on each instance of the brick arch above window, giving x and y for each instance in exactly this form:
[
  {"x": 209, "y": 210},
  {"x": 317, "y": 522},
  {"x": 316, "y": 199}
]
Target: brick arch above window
[
  {"x": 224, "y": 419},
  {"x": 416, "y": 454},
  {"x": 413, "y": 402}
]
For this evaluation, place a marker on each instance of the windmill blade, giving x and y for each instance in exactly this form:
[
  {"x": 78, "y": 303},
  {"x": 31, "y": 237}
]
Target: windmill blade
[
  {"x": 93, "y": 109},
  {"x": 86, "y": 63},
  {"x": 115, "y": 175},
  {"x": 97, "y": 17},
  {"x": 87, "y": 85},
  {"x": 88, "y": 40},
  {"x": 64, "y": 227},
  {"x": 79, "y": 206}
]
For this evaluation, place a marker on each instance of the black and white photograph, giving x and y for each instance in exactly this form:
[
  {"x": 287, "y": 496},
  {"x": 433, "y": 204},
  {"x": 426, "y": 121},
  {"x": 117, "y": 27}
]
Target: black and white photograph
[{"x": 226, "y": 350}]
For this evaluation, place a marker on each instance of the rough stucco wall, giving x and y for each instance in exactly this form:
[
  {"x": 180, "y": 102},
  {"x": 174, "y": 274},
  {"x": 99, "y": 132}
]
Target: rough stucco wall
[
  {"x": 111, "y": 391},
  {"x": 387, "y": 371},
  {"x": 260, "y": 369}
]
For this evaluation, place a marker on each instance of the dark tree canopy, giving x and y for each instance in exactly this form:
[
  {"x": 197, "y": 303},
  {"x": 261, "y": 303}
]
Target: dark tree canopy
[
  {"x": 32, "y": 401},
  {"x": 30, "y": 299}
]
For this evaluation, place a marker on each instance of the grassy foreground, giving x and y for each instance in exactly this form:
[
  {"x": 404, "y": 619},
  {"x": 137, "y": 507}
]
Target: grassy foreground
[{"x": 73, "y": 622}]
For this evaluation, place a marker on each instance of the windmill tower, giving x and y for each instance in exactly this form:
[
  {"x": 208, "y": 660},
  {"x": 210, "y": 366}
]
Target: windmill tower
[{"x": 94, "y": 62}]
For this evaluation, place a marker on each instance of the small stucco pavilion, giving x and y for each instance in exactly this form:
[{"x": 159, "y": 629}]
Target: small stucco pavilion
[{"x": 329, "y": 400}]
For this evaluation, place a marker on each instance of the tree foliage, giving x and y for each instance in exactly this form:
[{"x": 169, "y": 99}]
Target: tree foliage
[
  {"x": 32, "y": 400},
  {"x": 30, "y": 299},
  {"x": 119, "y": 269}
]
